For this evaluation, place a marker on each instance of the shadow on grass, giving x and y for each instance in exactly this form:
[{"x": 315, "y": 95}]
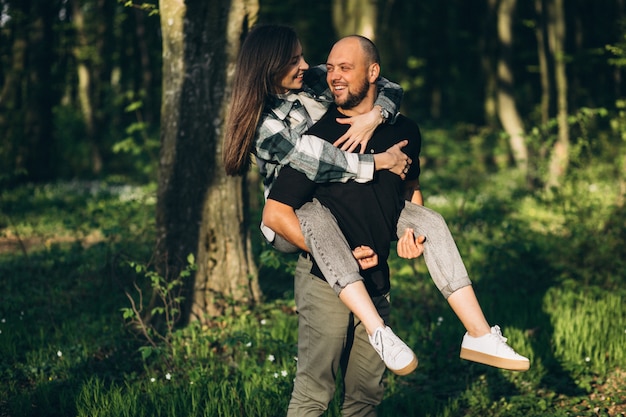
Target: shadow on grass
[{"x": 61, "y": 326}]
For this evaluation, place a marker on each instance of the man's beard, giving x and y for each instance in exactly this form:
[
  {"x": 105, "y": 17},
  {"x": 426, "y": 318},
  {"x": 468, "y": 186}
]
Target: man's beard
[{"x": 354, "y": 99}]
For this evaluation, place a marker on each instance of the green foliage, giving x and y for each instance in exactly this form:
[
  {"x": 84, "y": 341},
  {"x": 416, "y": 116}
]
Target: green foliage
[
  {"x": 548, "y": 266},
  {"x": 165, "y": 308},
  {"x": 151, "y": 8},
  {"x": 140, "y": 144}
]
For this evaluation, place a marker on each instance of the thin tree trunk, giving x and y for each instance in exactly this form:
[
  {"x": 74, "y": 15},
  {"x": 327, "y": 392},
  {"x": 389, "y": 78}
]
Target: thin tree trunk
[
  {"x": 488, "y": 65},
  {"x": 145, "y": 62},
  {"x": 355, "y": 17},
  {"x": 542, "y": 54},
  {"x": 560, "y": 154},
  {"x": 199, "y": 209},
  {"x": 11, "y": 97},
  {"x": 85, "y": 81},
  {"x": 507, "y": 108}
]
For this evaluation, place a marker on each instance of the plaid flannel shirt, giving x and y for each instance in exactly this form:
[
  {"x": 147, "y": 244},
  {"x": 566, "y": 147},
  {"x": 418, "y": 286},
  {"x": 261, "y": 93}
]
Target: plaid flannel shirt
[{"x": 280, "y": 138}]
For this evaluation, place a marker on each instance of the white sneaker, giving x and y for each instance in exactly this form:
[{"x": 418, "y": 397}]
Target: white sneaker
[
  {"x": 491, "y": 349},
  {"x": 398, "y": 357}
]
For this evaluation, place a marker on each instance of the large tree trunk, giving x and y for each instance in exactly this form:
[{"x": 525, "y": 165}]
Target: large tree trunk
[
  {"x": 355, "y": 17},
  {"x": 199, "y": 209},
  {"x": 507, "y": 108},
  {"x": 560, "y": 154}
]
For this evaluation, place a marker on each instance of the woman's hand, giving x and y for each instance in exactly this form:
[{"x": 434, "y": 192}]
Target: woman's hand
[
  {"x": 362, "y": 128},
  {"x": 409, "y": 246},
  {"x": 394, "y": 160}
]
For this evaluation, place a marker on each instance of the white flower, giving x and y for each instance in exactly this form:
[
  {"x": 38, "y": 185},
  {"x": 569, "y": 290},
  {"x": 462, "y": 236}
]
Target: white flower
[
  {"x": 59, "y": 353},
  {"x": 263, "y": 322},
  {"x": 168, "y": 376},
  {"x": 249, "y": 344},
  {"x": 587, "y": 359},
  {"x": 275, "y": 374},
  {"x": 152, "y": 379},
  {"x": 283, "y": 372},
  {"x": 439, "y": 320},
  {"x": 271, "y": 358},
  {"x": 3, "y": 320}
]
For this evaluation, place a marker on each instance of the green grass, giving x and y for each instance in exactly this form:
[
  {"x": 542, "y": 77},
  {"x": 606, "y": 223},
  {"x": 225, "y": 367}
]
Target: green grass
[{"x": 549, "y": 268}]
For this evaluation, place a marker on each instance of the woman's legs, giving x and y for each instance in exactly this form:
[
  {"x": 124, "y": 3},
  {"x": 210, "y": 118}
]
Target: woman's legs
[
  {"x": 441, "y": 254},
  {"x": 465, "y": 305},
  {"x": 354, "y": 294},
  {"x": 481, "y": 343},
  {"x": 445, "y": 265},
  {"x": 337, "y": 264},
  {"x": 331, "y": 251}
]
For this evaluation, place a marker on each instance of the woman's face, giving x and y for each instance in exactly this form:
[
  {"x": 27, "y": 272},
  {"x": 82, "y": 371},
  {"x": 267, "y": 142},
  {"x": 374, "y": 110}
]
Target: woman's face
[{"x": 295, "y": 71}]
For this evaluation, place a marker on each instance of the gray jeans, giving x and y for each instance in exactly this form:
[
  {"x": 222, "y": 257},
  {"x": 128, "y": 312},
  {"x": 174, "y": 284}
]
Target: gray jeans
[{"x": 332, "y": 253}]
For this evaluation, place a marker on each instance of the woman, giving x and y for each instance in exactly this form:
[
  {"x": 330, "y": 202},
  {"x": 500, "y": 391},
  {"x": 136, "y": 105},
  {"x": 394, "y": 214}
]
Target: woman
[{"x": 272, "y": 107}]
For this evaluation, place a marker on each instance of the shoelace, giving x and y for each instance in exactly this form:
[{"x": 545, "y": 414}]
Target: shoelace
[
  {"x": 378, "y": 339},
  {"x": 378, "y": 343},
  {"x": 498, "y": 333}
]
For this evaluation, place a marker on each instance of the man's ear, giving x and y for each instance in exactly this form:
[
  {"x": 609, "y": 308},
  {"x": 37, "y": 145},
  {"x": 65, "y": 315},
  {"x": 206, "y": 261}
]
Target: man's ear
[{"x": 374, "y": 72}]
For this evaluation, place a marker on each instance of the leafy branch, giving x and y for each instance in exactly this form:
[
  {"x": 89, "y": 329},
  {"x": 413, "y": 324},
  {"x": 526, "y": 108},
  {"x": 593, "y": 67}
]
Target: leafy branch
[{"x": 167, "y": 292}]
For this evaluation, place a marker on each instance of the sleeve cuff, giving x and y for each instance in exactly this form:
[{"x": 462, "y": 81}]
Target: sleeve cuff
[{"x": 365, "y": 170}]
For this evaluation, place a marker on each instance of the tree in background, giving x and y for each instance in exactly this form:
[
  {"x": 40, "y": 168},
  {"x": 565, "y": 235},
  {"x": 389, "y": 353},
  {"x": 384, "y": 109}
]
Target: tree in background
[
  {"x": 556, "y": 35},
  {"x": 199, "y": 209},
  {"x": 355, "y": 17},
  {"x": 68, "y": 69},
  {"x": 26, "y": 95},
  {"x": 507, "y": 107}
]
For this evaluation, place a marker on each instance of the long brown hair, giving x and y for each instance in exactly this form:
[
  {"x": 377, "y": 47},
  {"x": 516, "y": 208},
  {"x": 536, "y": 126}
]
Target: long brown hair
[{"x": 262, "y": 62}]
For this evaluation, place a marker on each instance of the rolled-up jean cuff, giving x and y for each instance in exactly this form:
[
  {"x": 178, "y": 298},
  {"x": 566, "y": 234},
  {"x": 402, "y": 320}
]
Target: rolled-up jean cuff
[
  {"x": 278, "y": 242},
  {"x": 345, "y": 281},
  {"x": 454, "y": 286}
]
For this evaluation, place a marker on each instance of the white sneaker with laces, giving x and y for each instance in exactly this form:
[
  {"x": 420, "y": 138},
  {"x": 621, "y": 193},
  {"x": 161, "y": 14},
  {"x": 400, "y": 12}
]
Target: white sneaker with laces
[
  {"x": 492, "y": 349},
  {"x": 398, "y": 357}
]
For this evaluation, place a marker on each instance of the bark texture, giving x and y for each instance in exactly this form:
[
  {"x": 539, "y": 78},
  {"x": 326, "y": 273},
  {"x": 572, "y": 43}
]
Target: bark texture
[
  {"x": 199, "y": 209},
  {"x": 507, "y": 107}
]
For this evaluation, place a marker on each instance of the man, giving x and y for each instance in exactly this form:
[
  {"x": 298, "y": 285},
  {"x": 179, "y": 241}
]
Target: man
[{"x": 330, "y": 337}]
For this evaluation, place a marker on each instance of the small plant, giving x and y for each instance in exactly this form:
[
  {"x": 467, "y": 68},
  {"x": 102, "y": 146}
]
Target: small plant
[{"x": 165, "y": 309}]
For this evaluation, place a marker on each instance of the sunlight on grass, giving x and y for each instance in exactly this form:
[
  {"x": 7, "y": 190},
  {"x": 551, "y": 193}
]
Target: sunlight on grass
[
  {"x": 548, "y": 267},
  {"x": 589, "y": 327}
]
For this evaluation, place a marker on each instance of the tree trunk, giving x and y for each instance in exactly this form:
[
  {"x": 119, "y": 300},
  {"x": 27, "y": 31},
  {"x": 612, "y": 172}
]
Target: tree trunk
[
  {"x": 507, "y": 108},
  {"x": 85, "y": 80},
  {"x": 542, "y": 53},
  {"x": 199, "y": 209},
  {"x": 13, "y": 95},
  {"x": 488, "y": 65},
  {"x": 560, "y": 154},
  {"x": 355, "y": 17}
]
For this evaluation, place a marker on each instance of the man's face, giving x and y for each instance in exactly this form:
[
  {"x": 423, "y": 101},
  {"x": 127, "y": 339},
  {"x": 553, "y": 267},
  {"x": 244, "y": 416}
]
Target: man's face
[
  {"x": 347, "y": 74},
  {"x": 295, "y": 72}
]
